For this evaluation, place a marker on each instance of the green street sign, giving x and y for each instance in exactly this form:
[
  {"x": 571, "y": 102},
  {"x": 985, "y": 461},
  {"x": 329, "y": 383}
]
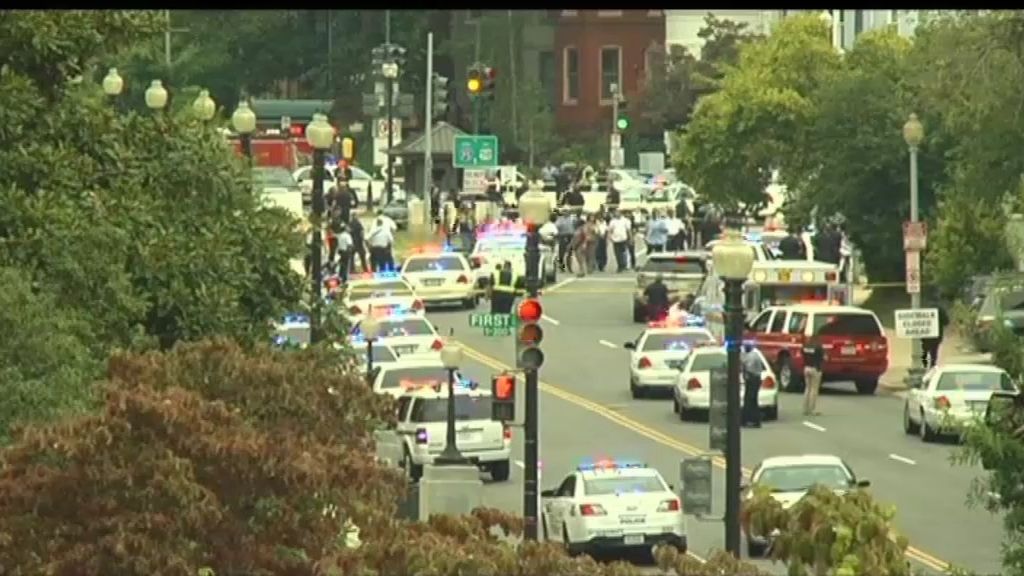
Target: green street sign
[
  {"x": 475, "y": 151},
  {"x": 494, "y": 324}
]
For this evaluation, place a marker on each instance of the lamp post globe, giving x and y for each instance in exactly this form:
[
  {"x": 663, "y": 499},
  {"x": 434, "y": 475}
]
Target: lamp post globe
[
  {"x": 244, "y": 119},
  {"x": 913, "y": 132},
  {"x": 113, "y": 84},
  {"x": 156, "y": 95},
  {"x": 204, "y": 106},
  {"x": 732, "y": 257},
  {"x": 534, "y": 207},
  {"x": 451, "y": 355},
  {"x": 319, "y": 133},
  {"x": 370, "y": 328}
]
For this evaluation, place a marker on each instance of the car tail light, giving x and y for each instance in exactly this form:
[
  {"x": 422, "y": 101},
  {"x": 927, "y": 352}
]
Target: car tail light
[
  {"x": 417, "y": 305},
  {"x": 591, "y": 510},
  {"x": 645, "y": 362},
  {"x": 507, "y": 433},
  {"x": 831, "y": 276},
  {"x": 356, "y": 310},
  {"x": 669, "y": 506},
  {"x": 437, "y": 345},
  {"x": 942, "y": 403},
  {"x": 476, "y": 261},
  {"x": 768, "y": 383},
  {"x": 693, "y": 384},
  {"x": 421, "y": 435},
  {"x": 462, "y": 279}
]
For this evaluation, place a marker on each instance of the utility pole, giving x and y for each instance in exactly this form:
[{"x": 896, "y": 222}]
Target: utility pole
[
  {"x": 330, "y": 53},
  {"x": 167, "y": 39},
  {"x": 428, "y": 147},
  {"x": 512, "y": 76},
  {"x": 387, "y": 26},
  {"x": 615, "y": 108}
]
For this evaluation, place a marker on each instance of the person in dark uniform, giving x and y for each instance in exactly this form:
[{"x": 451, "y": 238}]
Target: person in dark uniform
[
  {"x": 504, "y": 288},
  {"x": 814, "y": 360},
  {"x": 751, "y": 386},
  {"x": 355, "y": 227},
  {"x": 792, "y": 247},
  {"x": 656, "y": 298},
  {"x": 930, "y": 346}
]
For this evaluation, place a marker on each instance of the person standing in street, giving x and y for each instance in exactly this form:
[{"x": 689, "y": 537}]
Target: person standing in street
[
  {"x": 618, "y": 233},
  {"x": 344, "y": 246},
  {"x": 564, "y": 223},
  {"x": 673, "y": 231},
  {"x": 341, "y": 199},
  {"x": 930, "y": 346},
  {"x": 792, "y": 247},
  {"x": 357, "y": 231},
  {"x": 591, "y": 247},
  {"x": 579, "y": 248},
  {"x": 601, "y": 234},
  {"x": 752, "y": 368},
  {"x": 380, "y": 240},
  {"x": 814, "y": 360},
  {"x": 549, "y": 232},
  {"x": 657, "y": 234},
  {"x": 503, "y": 288},
  {"x": 656, "y": 299}
]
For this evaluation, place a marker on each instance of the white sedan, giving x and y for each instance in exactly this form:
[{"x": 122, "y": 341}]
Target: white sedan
[
  {"x": 441, "y": 277},
  {"x": 404, "y": 333},
  {"x": 789, "y": 478},
  {"x": 693, "y": 384},
  {"x": 659, "y": 353},
  {"x": 410, "y": 373},
  {"x": 951, "y": 396},
  {"x": 386, "y": 294},
  {"x": 507, "y": 242}
]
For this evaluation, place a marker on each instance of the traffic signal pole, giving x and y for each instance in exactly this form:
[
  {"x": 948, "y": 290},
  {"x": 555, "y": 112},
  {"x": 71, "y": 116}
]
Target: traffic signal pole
[
  {"x": 391, "y": 139},
  {"x": 531, "y": 490}
]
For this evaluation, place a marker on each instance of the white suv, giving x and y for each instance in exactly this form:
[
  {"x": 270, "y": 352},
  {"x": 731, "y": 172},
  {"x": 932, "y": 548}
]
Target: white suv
[{"x": 423, "y": 424}]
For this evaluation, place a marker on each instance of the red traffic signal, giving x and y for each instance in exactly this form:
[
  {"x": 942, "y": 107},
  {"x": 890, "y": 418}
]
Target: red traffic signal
[
  {"x": 530, "y": 335},
  {"x": 530, "y": 311},
  {"x": 505, "y": 387}
]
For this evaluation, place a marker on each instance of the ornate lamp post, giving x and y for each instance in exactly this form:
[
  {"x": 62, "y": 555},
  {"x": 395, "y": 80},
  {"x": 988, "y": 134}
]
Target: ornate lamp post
[
  {"x": 913, "y": 135},
  {"x": 156, "y": 96},
  {"x": 320, "y": 136},
  {"x": 451, "y": 357},
  {"x": 204, "y": 107},
  {"x": 244, "y": 122},
  {"x": 370, "y": 327}
]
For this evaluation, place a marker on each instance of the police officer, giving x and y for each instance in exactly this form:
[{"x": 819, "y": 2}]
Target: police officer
[
  {"x": 657, "y": 299},
  {"x": 792, "y": 247},
  {"x": 751, "y": 386},
  {"x": 503, "y": 289}
]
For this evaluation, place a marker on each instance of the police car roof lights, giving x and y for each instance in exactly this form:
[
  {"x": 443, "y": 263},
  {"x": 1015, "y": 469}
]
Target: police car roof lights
[
  {"x": 689, "y": 321},
  {"x": 386, "y": 275},
  {"x": 296, "y": 318},
  {"x": 434, "y": 249},
  {"x": 608, "y": 464}
]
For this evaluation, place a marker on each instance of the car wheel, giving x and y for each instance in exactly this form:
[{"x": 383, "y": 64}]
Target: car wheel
[
  {"x": 675, "y": 405},
  {"x": 469, "y": 303},
  {"x": 569, "y": 548},
  {"x": 413, "y": 470},
  {"x": 927, "y": 434},
  {"x": 771, "y": 413},
  {"x": 867, "y": 386},
  {"x": 544, "y": 526},
  {"x": 755, "y": 549},
  {"x": 499, "y": 470},
  {"x": 908, "y": 425},
  {"x": 639, "y": 314},
  {"x": 635, "y": 390},
  {"x": 789, "y": 381}
]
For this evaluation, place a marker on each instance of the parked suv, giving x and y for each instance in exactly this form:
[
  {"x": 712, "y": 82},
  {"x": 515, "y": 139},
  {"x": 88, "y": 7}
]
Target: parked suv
[{"x": 855, "y": 344}]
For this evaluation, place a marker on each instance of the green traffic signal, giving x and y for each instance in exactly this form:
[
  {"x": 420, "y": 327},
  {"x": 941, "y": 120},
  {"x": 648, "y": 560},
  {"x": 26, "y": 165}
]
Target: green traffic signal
[{"x": 622, "y": 123}]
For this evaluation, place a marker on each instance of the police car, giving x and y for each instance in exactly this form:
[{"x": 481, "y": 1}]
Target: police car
[
  {"x": 761, "y": 252},
  {"x": 404, "y": 333},
  {"x": 506, "y": 241},
  {"x": 422, "y": 425},
  {"x": 657, "y": 355},
  {"x": 292, "y": 330},
  {"x": 382, "y": 355},
  {"x": 386, "y": 292},
  {"x": 613, "y": 505},
  {"x": 441, "y": 276},
  {"x": 410, "y": 372},
  {"x": 692, "y": 391}
]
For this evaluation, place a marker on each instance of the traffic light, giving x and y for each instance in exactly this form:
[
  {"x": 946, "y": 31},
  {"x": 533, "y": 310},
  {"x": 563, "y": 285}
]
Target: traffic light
[
  {"x": 474, "y": 80},
  {"x": 503, "y": 393},
  {"x": 348, "y": 148},
  {"x": 440, "y": 89},
  {"x": 697, "y": 490},
  {"x": 490, "y": 76},
  {"x": 528, "y": 353},
  {"x": 622, "y": 121}
]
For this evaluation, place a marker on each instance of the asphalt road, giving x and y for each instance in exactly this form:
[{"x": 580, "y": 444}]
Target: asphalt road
[{"x": 587, "y": 412}]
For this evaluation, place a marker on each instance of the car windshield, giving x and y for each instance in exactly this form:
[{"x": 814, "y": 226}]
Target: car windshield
[
  {"x": 439, "y": 264},
  {"x": 974, "y": 382},
  {"x": 466, "y": 408},
  {"x": 379, "y": 289},
  {"x": 407, "y": 327},
  {"x": 715, "y": 360},
  {"x": 414, "y": 377},
  {"x": 609, "y": 485},
  {"x": 657, "y": 342},
  {"x": 380, "y": 354},
  {"x": 784, "y": 295},
  {"x": 269, "y": 177},
  {"x": 846, "y": 324},
  {"x": 504, "y": 244},
  {"x": 801, "y": 478},
  {"x": 677, "y": 265}
]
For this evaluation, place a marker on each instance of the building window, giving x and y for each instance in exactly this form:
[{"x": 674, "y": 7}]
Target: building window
[
  {"x": 894, "y": 17},
  {"x": 546, "y": 72},
  {"x": 609, "y": 13},
  {"x": 611, "y": 71},
  {"x": 472, "y": 16},
  {"x": 654, "y": 13},
  {"x": 858, "y": 22},
  {"x": 570, "y": 75},
  {"x": 569, "y": 13}
]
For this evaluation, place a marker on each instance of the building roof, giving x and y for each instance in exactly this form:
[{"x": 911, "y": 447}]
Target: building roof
[
  {"x": 443, "y": 143},
  {"x": 295, "y": 109}
]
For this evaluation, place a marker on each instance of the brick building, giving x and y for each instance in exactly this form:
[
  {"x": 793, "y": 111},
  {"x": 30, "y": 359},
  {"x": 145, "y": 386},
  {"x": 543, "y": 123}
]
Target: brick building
[{"x": 595, "y": 49}]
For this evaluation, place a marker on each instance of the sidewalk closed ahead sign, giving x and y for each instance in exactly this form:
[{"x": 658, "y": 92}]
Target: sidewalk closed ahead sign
[{"x": 920, "y": 323}]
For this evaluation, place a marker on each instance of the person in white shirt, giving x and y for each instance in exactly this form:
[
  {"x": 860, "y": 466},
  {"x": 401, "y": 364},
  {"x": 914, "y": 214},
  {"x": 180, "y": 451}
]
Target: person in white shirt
[
  {"x": 391, "y": 225},
  {"x": 344, "y": 247},
  {"x": 673, "y": 226},
  {"x": 380, "y": 240},
  {"x": 619, "y": 230},
  {"x": 549, "y": 231}
]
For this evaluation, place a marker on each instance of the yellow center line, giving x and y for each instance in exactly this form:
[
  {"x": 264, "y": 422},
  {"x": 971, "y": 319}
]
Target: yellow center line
[{"x": 661, "y": 438}]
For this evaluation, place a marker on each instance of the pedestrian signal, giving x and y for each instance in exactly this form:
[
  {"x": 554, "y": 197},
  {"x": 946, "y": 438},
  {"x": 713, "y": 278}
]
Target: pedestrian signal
[
  {"x": 503, "y": 401},
  {"x": 530, "y": 335},
  {"x": 348, "y": 148}
]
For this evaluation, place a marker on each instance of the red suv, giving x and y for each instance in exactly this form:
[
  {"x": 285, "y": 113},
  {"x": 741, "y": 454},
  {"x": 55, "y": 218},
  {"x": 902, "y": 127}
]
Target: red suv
[{"x": 855, "y": 344}]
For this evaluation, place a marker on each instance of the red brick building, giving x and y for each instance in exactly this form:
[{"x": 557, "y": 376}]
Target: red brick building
[{"x": 594, "y": 49}]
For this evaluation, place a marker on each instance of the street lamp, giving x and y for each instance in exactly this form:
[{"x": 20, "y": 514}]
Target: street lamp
[
  {"x": 156, "y": 96},
  {"x": 370, "y": 327},
  {"x": 451, "y": 357},
  {"x": 913, "y": 135},
  {"x": 244, "y": 122},
  {"x": 320, "y": 136},
  {"x": 204, "y": 106},
  {"x": 732, "y": 259},
  {"x": 387, "y": 63},
  {"x": 113, "y": 84}
]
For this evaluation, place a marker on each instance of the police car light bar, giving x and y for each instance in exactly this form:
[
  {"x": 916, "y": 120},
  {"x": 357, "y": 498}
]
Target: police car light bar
[
  {"x": 295, "y": 318},
  {"x": 606, "y": 464},
  {"x": 386, "y": 275}
]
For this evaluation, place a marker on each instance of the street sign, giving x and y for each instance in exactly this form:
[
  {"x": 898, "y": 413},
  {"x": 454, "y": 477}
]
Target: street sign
[
  {"x": 474, "y": 181},
  {"x": 695, "y": 475},
  {"x": 618, "y": 157},
  {"x": 920, "y": 323},
  {"x": 913, "y": 272},
  {"x": 718, "y": 424},
  {"x": 494, "y": 324},
  {"x": 507, "y": 176},
  {"x": 616, "y": 140},
  {"x": 915, "y": 236},
  {"x": 381, "y": 126},
  {"x": 475, "y": 151}
]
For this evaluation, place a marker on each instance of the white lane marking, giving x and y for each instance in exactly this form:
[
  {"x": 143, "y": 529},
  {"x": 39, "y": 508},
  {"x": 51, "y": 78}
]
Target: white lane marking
[
  {"x": 561, "y": 284},
  {"x": 520, "y": 463},
  {"x": 899, "y": 458},
  {"x": 814, "y": 426},
  {"x": 550, "y": 319},
  {"x": 606, "y": 343}
]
